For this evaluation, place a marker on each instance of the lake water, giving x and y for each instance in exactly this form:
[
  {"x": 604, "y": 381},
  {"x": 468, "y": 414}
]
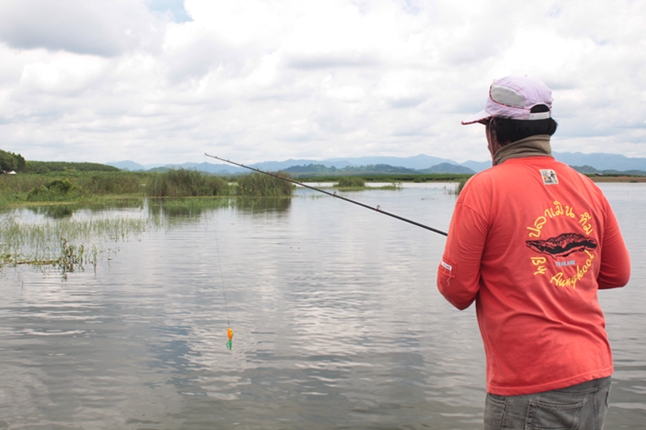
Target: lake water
[{"x": 337, "y": 320}]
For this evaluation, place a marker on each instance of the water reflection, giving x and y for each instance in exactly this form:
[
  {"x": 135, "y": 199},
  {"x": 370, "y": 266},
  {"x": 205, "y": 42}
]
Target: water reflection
[
  {"x": 170, "y": 208},
  {"x": 68, "y": 210},
  {"x": 56, "y": 212},
  {"x": 262, "y": 205},
  {"x": 195, "y": 208},
  {"x": 190, "y": 208},
  {"x": 625, "y": 313},
  {"x": 45, "y": 236}
]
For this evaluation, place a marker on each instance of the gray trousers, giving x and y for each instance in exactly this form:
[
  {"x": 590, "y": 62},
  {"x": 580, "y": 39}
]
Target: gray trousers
[{"x": 582, "y": 406}]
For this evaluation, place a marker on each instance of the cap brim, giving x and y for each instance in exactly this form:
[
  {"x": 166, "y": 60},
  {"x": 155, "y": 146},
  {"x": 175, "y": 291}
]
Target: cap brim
[{"x": 482, "y": 115}]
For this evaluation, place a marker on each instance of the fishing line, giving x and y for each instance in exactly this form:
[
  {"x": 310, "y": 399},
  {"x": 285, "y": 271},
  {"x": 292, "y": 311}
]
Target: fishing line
[
  {"x": 334, "y": 194},
  {"x": 224, "y": 293}
]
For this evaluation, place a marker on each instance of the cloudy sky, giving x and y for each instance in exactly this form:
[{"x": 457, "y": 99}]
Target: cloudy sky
[{"x": 163, "y": 81}]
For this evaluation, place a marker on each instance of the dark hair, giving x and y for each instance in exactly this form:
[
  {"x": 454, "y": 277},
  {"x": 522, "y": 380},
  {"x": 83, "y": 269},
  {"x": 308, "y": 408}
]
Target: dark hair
[{"x": 512, "y": 130}]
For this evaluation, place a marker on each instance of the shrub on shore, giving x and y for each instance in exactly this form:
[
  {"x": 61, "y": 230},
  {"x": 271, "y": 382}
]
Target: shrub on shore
[{"x": 52, "y": 191}]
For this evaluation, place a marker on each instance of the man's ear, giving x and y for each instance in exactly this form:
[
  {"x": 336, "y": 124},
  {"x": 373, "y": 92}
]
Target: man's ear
[
  {"x": 493, "y": 136},
  {"x": 490, "y": 134}
]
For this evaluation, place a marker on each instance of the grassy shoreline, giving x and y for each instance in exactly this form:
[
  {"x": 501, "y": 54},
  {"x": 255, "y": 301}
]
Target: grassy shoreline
[
  {"x": 95, "y": 187},
  {"x": 618, "y": 178}
]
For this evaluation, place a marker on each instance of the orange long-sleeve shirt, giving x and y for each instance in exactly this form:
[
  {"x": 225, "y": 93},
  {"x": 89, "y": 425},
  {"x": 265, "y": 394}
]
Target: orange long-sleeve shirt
[{"x": 531, "y": 241}]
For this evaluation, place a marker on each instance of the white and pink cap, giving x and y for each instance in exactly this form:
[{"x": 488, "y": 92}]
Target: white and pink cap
[{"x": 513, "y": 98}]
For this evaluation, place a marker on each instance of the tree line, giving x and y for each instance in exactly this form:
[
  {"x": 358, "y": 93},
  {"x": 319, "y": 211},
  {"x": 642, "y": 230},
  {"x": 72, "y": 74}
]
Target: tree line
[
  {"x": 11, "y": 162},
  {"x": 15, "y": 162}
]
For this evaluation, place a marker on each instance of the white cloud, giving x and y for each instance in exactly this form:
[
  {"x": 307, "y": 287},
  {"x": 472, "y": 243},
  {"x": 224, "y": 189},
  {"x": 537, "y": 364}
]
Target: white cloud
[
  {"x": 80, "y": 26},
  {"x": 260, "y": 80},
  {"x": 63, "y": 74}
]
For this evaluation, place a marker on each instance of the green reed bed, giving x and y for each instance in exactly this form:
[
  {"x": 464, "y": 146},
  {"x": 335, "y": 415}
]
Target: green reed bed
[
  {"x": 191, "y": 183},
  {"x": 355, "y": 183},
  {"x": 88, "y": 182},
  {"x": 69, "y": 186},
  {"x": 86, "y": 187},
  {"x": 259, "y": 185},
  {"x": 351, "y": 182},
  {"x": 458, "y": 187},
  {"x": 391, "y": 186},
  {"x": 63, "y": 243},
  {"x": 113, "y": 183},
  {"x": 186, "y": 183}
]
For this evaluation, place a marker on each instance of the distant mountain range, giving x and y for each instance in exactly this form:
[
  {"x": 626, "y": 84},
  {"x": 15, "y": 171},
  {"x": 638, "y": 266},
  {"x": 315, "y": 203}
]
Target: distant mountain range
[{"x": 587, "y": 163}]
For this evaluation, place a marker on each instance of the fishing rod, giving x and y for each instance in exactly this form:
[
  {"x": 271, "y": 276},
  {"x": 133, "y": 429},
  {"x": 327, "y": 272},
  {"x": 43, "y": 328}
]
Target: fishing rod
[{"x": 334, "y": 194}]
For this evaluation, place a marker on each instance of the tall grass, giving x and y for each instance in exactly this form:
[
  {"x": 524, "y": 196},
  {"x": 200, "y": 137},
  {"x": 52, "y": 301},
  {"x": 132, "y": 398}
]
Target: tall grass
[
  {"x": 458, "y": 187},
  {"x": 79, "y": 186},
  {"x": 68, "y": 186},
  {"x": 105, "y": 183},
  {"x": 90, "y": 182},
  {"x": 260, "y": 185},
  {"x": 186, "y": 183},
  {"x": 461, "y": 183},
  {"x": 55, "y": 190},
  {"x": 64, "y": 243},
  {"x": 351, "y": 182}
]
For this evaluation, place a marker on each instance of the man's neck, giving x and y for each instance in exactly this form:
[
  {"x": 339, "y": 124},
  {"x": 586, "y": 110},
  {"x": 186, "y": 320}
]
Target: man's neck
[{"x": 532, "y": 146}]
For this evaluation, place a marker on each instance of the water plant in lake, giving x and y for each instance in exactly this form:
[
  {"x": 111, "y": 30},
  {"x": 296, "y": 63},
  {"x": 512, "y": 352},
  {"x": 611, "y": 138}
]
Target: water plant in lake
[
  {"x": 73, "y": 256},
  {"x": 70, "y": 258},
  {"x": 460, "y": 185},
  {"x": 391, "y": 186},
  {"x": 262, "y": 185},
  {"x": 186, "y": 183},
  {"x": 351, "y": 182},
  {"x": 355, "y": 183},
  {"x": 456, "y": 188},
  {"x": 68, "y": 244}
]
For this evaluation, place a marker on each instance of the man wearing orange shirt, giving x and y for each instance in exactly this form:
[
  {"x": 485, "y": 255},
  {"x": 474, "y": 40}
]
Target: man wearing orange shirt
[{"x": 531, "y": 241}]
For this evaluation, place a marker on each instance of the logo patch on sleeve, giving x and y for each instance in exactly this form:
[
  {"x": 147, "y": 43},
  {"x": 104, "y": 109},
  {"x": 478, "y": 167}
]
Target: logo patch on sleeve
[{"x": 549, "y": 177}]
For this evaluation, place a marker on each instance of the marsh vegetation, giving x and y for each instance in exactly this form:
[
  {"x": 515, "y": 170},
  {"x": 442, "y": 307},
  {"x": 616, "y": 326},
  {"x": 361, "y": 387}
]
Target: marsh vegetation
[
  {"x": 69, "y": 187},
  {"x": 459, "y": 186},
  {"x": 351, "y": 182},
  {"x": 69, "y": 244},
  {"x": 186, "y": 183},
  {"x": 259, "y": 185},
  {"x": 75, "y": 186},
  {"x": 59, "y": 239},
  {"x": 357, "y": 183}
]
